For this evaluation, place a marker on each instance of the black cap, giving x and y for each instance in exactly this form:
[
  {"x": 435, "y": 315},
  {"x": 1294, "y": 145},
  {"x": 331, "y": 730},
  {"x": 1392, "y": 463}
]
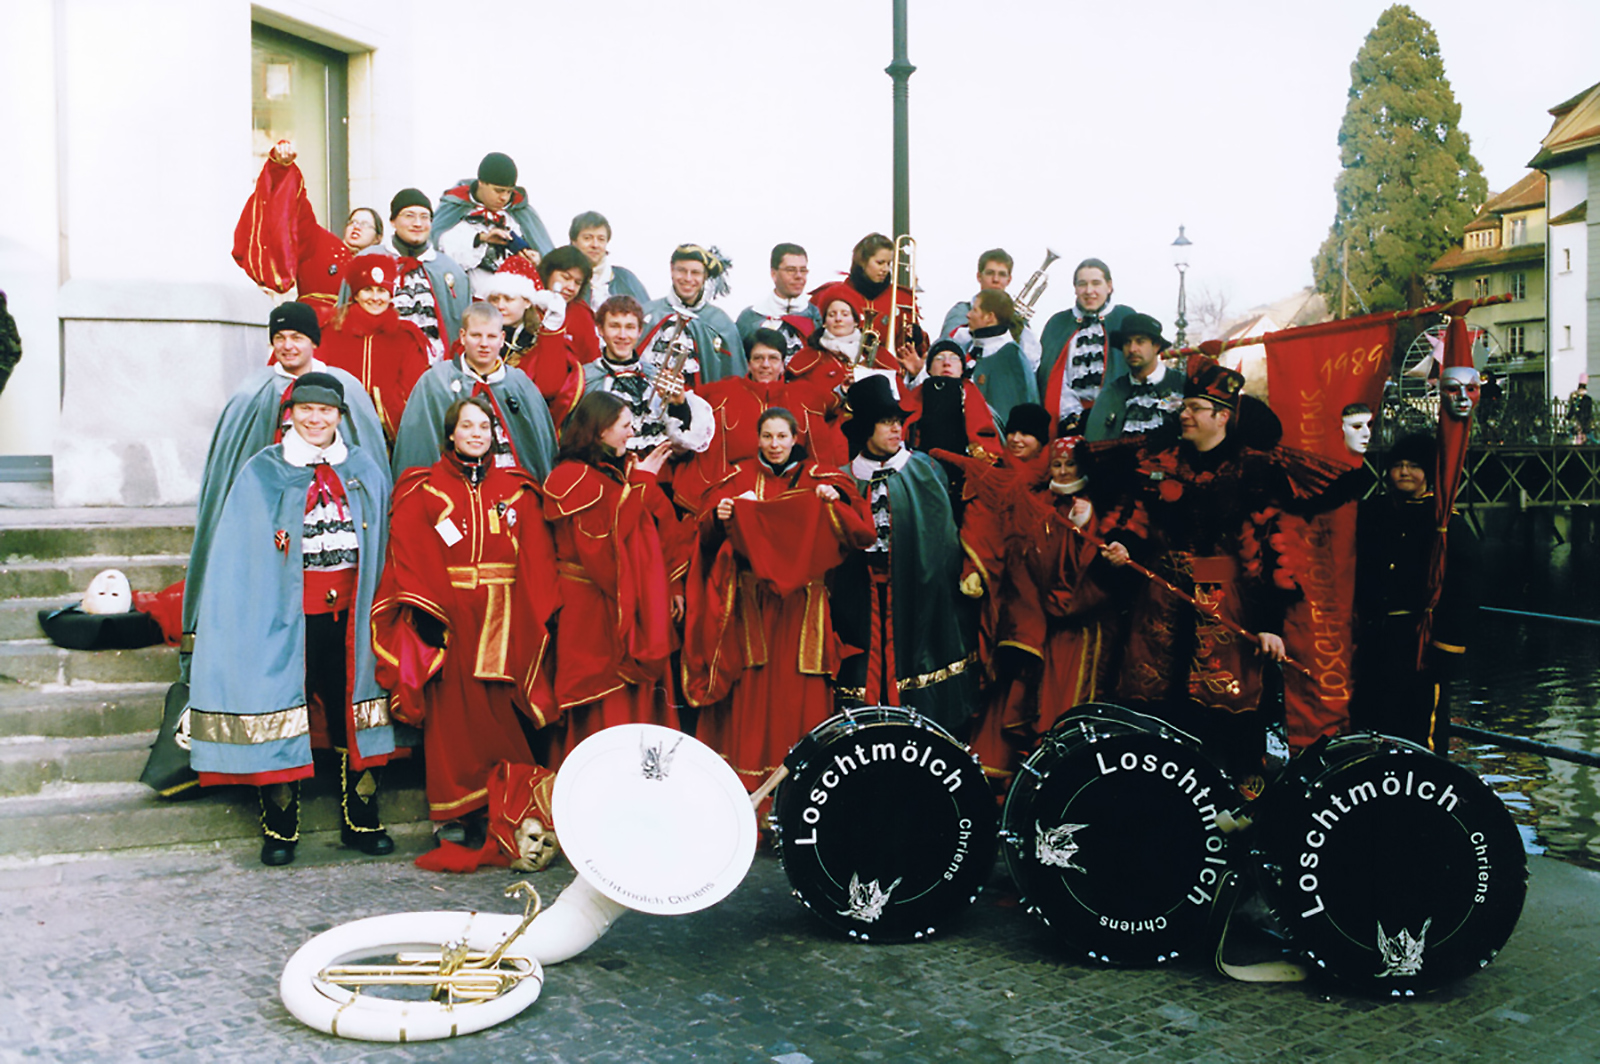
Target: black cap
[
  {"x": 1417, "y": 448},
  {"x": 1139, "y": 325},
  {"x": 295, "y": 317},
  {"x": 497, "y": 168},
  {"x": 1030, "y": 419},
  {"x": 408, "y": 197},
  {"x": 316, "y": 387}
]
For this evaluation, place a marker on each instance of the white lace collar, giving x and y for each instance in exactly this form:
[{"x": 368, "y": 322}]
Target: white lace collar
[
  {"x": 863, "y": 465},
  {"x": 298, "y": 451}
]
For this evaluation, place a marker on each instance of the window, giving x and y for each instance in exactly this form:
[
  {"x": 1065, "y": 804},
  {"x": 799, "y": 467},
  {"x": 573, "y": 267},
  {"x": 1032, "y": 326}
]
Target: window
[
  {"x": 299, "y": 93},
  {"x": 1519, "y": 286},
  {"x": 1516, "y": 232},
  {"x": 1482, "y": 238},
  {"x": 1566, "y": 260},
  {"x": 1480, "y": 288},
  {"x": 1566, "y": 338},
  {"x": 1516, "y": 339}
]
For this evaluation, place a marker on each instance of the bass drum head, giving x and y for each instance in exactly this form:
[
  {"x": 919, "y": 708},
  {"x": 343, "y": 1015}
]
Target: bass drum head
[
  {"x": 886, "y": 824},
  {"x": 1110, "y": 834},
  {"x": 654, "y": 819},
  {"x": 1394, "y": 869}
]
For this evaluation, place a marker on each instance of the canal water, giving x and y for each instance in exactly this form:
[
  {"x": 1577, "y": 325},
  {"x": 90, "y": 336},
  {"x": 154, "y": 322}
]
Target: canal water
[{"x": 1537, "y": 678}]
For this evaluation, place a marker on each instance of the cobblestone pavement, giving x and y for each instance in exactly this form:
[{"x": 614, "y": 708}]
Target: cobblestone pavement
[{"x": 176, "y": 957}]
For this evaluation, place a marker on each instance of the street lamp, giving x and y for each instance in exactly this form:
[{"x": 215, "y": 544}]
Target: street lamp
[{"x": 1180, "y": 259}]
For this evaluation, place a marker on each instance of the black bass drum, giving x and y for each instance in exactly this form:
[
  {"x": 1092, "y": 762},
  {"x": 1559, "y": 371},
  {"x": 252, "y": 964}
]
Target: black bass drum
[
  {"x": 1395, "y": 870},
  {"x": 1110, "y": 833},
  {"x": 885, "y": 824}
]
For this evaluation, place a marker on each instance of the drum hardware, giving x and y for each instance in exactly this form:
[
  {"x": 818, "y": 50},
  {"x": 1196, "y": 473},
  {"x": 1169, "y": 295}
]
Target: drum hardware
[
  {"x": 885, "y": 824},
  {"x": 1204, "y": 609},
  {"x": 1028, "y": 297}
]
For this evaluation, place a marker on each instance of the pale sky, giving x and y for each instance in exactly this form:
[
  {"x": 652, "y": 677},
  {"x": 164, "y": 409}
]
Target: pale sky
[{"x": 1094, "y": 129}]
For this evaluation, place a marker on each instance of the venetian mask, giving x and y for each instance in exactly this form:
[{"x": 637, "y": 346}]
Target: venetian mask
[
  {"x": 1458, "y": 390},
  {"x": 537, "y": 846},
  {"x": 1357, "y": 433},
  {"x": 108, "y": 593}
]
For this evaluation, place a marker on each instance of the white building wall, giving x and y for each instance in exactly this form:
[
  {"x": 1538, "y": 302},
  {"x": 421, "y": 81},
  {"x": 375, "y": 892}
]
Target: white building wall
[
  {"x": 1568, "y": 302},
  {"x": 128, "y": 135}
]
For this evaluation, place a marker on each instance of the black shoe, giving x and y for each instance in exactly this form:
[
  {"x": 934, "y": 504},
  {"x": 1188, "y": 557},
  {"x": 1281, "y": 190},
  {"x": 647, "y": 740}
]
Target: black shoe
[
  {"x": 276, "y": 852},
  {"x": 371, "y": 843}
]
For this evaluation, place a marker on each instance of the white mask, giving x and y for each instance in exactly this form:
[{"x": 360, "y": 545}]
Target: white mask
[{"x": 108, "y": 593}]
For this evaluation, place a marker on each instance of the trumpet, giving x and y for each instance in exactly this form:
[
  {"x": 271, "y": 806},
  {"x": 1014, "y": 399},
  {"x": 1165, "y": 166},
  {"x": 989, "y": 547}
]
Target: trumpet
[
  {"x": 870, "y": 338},
  {"x": 903, "y": 274},
  {"x": 1029, "y": 296}
]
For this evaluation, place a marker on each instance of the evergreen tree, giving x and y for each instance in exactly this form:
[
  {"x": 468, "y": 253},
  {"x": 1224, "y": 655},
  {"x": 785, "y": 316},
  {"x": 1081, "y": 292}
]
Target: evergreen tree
[{"x": 1410, "y": 184}]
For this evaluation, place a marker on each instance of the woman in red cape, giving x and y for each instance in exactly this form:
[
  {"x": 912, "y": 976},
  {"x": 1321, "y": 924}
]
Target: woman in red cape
[
  {"x": 760, "y": 651},
  {"x": 871, "y": 280},
  {"x": 614, "y": 635},
  {"x": 460, "y": 617},
  {"x": 832, "y": 353},
  {"x": 367, "y": 339}
]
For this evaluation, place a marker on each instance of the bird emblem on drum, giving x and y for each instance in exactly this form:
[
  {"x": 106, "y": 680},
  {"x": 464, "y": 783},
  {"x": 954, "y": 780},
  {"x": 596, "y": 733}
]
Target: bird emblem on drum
[
  {"x": 1402, "y": 954},
  {"x": 655, "y": 762},
  {"x": 1057, "y": 846},
  {"x": 867, "y": 900}
]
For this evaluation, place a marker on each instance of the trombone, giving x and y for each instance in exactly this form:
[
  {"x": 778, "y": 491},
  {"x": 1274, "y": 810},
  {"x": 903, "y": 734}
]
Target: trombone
[
  {"x": 1029, "y": 296},
  {"x": 903, "y": 274}
]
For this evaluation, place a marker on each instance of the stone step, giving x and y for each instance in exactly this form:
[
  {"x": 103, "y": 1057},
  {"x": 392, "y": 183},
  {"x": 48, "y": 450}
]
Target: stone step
[
  {"x": 19, "y": 617},
  {"x": 77, "y": 818},
  {"x": 80, "y": 710},
  {"x": 69, "y": 577},
  {"x": 44, "y": 534},
  {"x": 38, "y": 661},
  {"x": 30, "y": 764}
]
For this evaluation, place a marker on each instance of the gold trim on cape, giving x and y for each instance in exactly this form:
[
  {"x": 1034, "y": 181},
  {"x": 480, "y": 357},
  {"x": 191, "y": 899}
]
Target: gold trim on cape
[{"x": 236, "y": 729}]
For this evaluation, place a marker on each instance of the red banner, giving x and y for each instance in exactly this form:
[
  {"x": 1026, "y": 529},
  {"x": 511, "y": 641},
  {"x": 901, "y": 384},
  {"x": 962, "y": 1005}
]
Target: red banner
[
  {"x": 1313, "y": 374},
  {"x": 1454, "y": 433}
]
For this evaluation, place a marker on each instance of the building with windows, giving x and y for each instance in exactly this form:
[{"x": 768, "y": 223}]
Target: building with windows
[
  {"x": 1502, "y": 252},
  {"x": 135, "y": 131},
  {"x": 1569, "y": 156}
]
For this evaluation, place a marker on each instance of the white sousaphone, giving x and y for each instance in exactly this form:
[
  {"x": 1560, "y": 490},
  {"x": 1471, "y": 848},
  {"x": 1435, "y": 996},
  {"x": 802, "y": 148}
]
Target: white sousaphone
[{"x": 650, "y": 818}]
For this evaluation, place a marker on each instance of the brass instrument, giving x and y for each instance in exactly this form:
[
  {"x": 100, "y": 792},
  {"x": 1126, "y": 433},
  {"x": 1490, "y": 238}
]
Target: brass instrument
[
  {"x": 680, "y": 351},
  {"x": 455, "y": 973},
  {"x": 903, "y": 274},
  {"x": 870, "y": 337},
  {"x": 1029, "y": 296}
]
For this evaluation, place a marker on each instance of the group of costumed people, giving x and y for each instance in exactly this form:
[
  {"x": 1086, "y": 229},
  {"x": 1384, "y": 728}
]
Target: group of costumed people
[{"x": 487, "y": 498}]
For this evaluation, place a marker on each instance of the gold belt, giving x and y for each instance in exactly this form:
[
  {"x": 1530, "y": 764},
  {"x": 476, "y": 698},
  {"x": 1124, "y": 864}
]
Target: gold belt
[{"x": 471, "y": 577}]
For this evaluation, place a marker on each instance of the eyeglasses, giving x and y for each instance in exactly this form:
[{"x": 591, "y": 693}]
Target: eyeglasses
[
  {"x": 1199, "y": 406},
  {"x": 799, "y": 271}
]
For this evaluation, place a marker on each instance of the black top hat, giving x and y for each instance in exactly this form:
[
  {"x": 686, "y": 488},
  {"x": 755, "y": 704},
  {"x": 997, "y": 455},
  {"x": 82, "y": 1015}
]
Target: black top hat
[
  {"x": 1139, "y": 325},
  {"x": 872, "y": 400}
]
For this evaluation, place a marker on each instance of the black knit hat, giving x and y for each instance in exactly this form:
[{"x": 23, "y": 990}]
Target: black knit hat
[
  {"x": 408, "y": 197},
  {"x": 295, "y": 317},
  {"x": 950, "y": 347},
  {"x": 498, "y": 168},
  {"x": 1030, "y": 419},
  {"x": 1417, "y": 448},
  {"x": 315, "y": 387}
]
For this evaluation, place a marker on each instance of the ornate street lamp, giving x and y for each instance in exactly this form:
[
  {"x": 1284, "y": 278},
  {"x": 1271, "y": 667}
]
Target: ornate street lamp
[{"x": 1180, "y": 259}]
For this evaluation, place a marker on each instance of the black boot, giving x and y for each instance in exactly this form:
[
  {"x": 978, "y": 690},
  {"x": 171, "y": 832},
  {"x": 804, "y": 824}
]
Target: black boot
[
  {"x": 280, "y": 822},
  {"x": 358, "y": 799}
]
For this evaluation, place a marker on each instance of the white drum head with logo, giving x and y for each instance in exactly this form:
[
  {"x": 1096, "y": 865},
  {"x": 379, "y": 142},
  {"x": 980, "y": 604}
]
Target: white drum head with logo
[{"x": 654, "y": 819}]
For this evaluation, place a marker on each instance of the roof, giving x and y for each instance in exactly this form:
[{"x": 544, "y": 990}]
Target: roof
[
  {"x": 1575, "y": 131},
  {"x": 1458, "y": 259},
  {"x": 1525, "y": 194},
  {"x": 1580, "y": 213}
]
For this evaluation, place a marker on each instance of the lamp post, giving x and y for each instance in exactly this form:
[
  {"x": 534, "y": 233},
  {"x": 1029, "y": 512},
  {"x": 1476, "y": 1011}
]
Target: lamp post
[
  {"x": 1180, "y": 259},
  {"x": 900, "y": 69}
]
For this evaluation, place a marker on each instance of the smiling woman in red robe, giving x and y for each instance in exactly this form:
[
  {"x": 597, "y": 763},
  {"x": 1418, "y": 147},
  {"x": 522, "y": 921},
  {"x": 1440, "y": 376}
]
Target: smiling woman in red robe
[
  {"x": 461, "y": 613},
  {"x": 760, "y": 651},
  {"x": 367, "y": 339},
  {"x": 614, "y": 635}
]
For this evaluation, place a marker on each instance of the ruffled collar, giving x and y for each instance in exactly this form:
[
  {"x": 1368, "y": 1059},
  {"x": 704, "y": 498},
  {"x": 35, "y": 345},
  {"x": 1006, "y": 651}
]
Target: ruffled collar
[{"x": 863, "y": 466}]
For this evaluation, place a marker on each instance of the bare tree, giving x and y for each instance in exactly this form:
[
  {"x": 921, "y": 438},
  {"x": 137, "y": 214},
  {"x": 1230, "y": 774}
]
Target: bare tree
[{"x": 1208, "y": 311}]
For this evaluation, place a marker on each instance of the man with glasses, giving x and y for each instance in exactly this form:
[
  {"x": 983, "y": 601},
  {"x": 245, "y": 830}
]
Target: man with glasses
[
  {"x": 787, "y": 300},
  {"x": 1202, "y": 515},
  {"x": 432, "y": 290}
]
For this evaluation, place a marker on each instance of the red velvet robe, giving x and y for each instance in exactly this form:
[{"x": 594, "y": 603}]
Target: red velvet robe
[
  {"x": 983, "y": 439},
  {"x": 279, "y": 243},
  {"x": 494, "y": 589},
  {"x": 555, "y": 361},
  {"x": 385, "y": 354},
  {"x": 822, "y": 368},
  {"x": 614, "y": 636},
  {"x": 737, "y": 403},
  {"x": 760, "y": 650}
]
